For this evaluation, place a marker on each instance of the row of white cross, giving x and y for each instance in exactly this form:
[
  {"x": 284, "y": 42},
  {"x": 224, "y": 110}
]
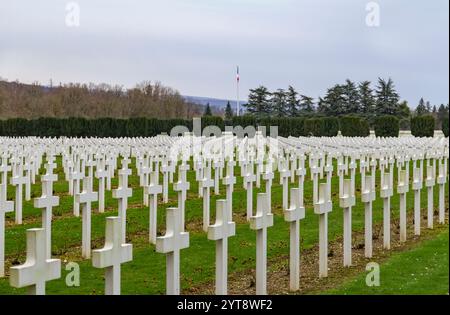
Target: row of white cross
[{"x": 257, "y": 160}]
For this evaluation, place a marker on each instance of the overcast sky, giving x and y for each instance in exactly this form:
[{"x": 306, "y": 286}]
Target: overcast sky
[{"x": 195, "y": 45}]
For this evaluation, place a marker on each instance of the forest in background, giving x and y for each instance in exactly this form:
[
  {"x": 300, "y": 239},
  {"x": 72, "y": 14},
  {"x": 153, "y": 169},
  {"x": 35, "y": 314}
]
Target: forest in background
[{"x": 147, "y": 99}]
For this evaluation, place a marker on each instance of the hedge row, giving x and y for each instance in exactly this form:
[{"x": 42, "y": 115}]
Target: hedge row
[
  {"x": 351, "y": 126},
  {"x": 423, "y": 126}
]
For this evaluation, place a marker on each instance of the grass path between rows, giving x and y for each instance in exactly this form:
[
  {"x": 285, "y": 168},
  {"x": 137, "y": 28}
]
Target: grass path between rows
[{"x": 421, "y": 270}]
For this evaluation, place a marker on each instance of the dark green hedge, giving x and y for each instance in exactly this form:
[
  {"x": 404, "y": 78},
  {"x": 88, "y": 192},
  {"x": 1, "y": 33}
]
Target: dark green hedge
[
  {"x": 353, "y": 126},
  {"x": 445, "y": 126},
  {"x": 322, "y": 127},
  {"x": 148, "y": 127},
  {"x": 423, "y": 126},
  {"x": 387, "y": 126}
]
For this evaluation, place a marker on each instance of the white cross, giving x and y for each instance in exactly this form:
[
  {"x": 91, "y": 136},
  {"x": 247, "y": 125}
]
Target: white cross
[
  {"x": 229, "y": 181},
  {"x": 86, "y": 198},
  {"x": 260, "y": 222},
  {"x": 293, "y": 215},
  {"x": 170, "y": 244},
  {"x": 182, "y": 186},
  {"x": 207, "y": 183},
  {"x": 442, "y": 180},
  {"x": 165, "y": 170},
  {"x": 5, "y": 206},
  {"x": 417, "y": 187},
  {"x": 367, "y": 197},
  {"x": 402, "y": 189},
  {"x": 37, "y": 269},
  {"x": 112, "y": 255},
  {"x": 220, "y": 232},
  {"x": 152, "y": 191},
  {"x": 429, "y": 183},
  {"x": 285, "y": 174},
  {"x": 268, "y": 177},
  {"x": 386, "y": 194},
  {"x": 249, "y": 179},
  {"x": 123, "y": 192},
  {"x": 217, "y": 166},
  {"x": 322, "y": 207},
  {"x": 27, "y": 170},
  {"x": 76, "y": 178},
  {"x": 347, "y": 201},
  {"x": 46, "y": 202},
  {"x": 18, "y": 180},
  {"x": 101, "y": 173},
  {"x": 4, "y": 169}
]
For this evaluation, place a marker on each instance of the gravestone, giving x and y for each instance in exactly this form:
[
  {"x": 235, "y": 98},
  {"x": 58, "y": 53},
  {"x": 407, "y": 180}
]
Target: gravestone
[
  {"x": 37, "y": 269},
  {"x": 85, "y": 199},
  {"x": 170, "y": 244},
  {"x": 260, "y": 222},
  {"x": 322, "y": 207},
  {"x": 347, "y": 201},
  {"x": 220, "y": 232},
  {"x": 112, "y": 255}
]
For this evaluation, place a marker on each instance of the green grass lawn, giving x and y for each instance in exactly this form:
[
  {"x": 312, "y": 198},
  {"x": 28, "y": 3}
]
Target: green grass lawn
[
  {"x": 146, "y": 273},
  {"x": 422, "y": 270}
]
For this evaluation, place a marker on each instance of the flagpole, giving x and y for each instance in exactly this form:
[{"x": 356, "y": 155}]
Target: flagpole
[{"x": 238, "y": 105}]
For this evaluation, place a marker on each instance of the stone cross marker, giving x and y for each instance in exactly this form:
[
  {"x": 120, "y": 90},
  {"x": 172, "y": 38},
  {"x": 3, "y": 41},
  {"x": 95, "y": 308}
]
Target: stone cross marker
[
  {"x": 46, "y": 202},
  {"x": 402, "y": 189},
  {"x": 249, "y": 179},
  {"x": 101, "y": 173},
  {"x": 260, "y": 222},
  {"x": 112, "y": 255},
  {"x": 207, "y": 183},
  {"x": 285, "y": 174},
  {"x": 170, "y": 244},
  {"x": 220, "y": 232},
  {"x": 85, "y": 199},
  {"x": 76, "y": 177},
  {"x": 123, "y": 192},
  {"x": 182, "y": 186},
  {"x": 429, "y": 183},
  {"x": 293, "y": 215},
  {"x": 386, "y": 194},
  {"x": 417, "y": 187},
  {"x": 153, "y": 190},
  {"x": 368, "y": 197},
  {"x": 37, "y": 269},
  {"x": 268, "y": 177},
  {"x": 5, "y": 206},
  {"x": 229, "y": 181},
  {"x": 347, "y": 201},
  {"x": 442, "y": 180},
  {"x": 322, "y": 207},
  {"x": 18, "y": 180}
]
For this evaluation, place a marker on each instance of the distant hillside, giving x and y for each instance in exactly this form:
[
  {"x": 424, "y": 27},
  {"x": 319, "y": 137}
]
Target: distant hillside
[{"x": 213, "y": 102}]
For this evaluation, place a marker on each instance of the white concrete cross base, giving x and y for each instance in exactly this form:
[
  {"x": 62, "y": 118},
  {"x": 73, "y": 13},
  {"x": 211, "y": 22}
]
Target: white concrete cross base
[{"x": 37, "y": 269}]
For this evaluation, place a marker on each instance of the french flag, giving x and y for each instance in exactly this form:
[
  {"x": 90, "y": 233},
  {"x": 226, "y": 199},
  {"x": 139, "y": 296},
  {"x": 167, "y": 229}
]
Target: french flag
[{"x": 237, "y": 75}]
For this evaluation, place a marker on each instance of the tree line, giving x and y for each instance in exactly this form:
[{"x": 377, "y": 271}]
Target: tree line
[
  {"x": 147, "y": 99},
  {"x": 349, "y": 98}
]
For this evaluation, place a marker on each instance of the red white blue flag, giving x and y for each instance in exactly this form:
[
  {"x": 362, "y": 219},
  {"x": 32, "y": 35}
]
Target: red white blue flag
[{"x": 237, "y": 75}]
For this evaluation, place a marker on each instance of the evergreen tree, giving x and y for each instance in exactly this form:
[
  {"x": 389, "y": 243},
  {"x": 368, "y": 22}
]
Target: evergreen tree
[
  {"x": 335, "y": 101},
  {"x": 366, "y": 98},
  {"x": 442, "y": 112},
  {"x": 207, "y": 110},
  {"x": 306, "y": 104},
  {"x": 421, "y": 109},
  {"x": 228, "y": 112},
  {"x": 403, "y": 110},
  {"x": 292, "y": 102},
  {"x": 258, "y": 102},
  {"x": 279, "y": 105},
  {"x": 351, "y": 98},
  {"x": 387, "y": 97}
]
